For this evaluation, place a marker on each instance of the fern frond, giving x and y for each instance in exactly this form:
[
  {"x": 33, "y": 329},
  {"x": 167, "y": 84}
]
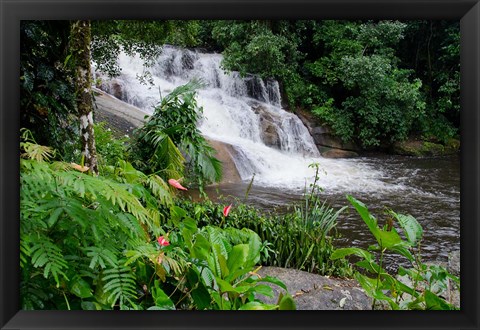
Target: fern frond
[
  {"x": 25, "y": 251},
  {"x": 138, "y": 248},
  {"x": 120, "y": 285},
  {"x": 100, "y": 256},
  {"x": 36, "y": 152},
  {"x": 129, "y": 224},
  {"x": 159, "y": 188},
  {"x": 47, "y": 255},
  {"x": 166, "y": 154}
]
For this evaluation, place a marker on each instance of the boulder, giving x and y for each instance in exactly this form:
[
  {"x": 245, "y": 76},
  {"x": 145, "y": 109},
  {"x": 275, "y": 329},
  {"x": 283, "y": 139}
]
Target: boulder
[
  {"x": 338, "y": 153},
  {"x": 269, "y": 133},
  {"x": 268, "y": 129},
  {"x": 325, "y": 138},
  {"x": 331, "y": 141},
  {"x": 316, "y": 292},
  {"x": 224, "y": 152},
  {"x": 116, "y": 89}
]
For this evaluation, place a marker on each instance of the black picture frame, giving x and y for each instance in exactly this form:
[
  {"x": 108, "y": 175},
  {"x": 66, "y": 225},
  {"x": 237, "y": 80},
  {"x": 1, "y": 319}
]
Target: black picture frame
[{"x": 13, "y": 11}]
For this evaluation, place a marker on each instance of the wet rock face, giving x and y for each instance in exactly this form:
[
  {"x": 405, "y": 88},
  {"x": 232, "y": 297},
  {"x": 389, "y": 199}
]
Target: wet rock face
[
  {"x": 316, "y": 292},
  {"x": 327, "y": 143},
  {"x": 268, "y": 128},
  {"x": 337, "y": 153},
  {"x": 114, "y": 87},
  {"x": 223, "y": 152},
  {"x": 269, "y": 133}
]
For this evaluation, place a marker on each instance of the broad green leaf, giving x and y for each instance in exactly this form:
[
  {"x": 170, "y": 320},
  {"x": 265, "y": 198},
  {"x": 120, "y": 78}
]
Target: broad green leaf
[
  {"x": 257, "y": 306},
  {"x": 367, "y": 283},
  {"x": 160, "y": 298},
  {"x": 287, "y": 303},
  {"x": 273, "y": 280},
  {"x": 201, "y": 248},
  {"x": 403, "y": 250},
  {"x": 201, "y": 297},
  {"x": 262, "y": 289},
  {"x": 200, "y": 293},
  {"x": 224, "y": 285},
  {"x": 343, "y": 252},
  {"x": 79, "y": 287},
  {"x": 433, "y": 302},
  {"x": 388, "y": 239},
  {"x": 220, "y": 261},
  {"x": 371, "y": 266},
  {"x": 412, "y": 229},
  {"x": 189, "y": 228},
  {"x": 254, "y": 247},
  {"x": 365, "y": 214},
  {"x": 237, "y": 257}
]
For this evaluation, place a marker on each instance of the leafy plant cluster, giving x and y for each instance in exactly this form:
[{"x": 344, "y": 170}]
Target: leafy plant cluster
[
  {"x": 427, "y": 285},
  {"x": 110, "y": 150},
  {"x": 300, "y": 238},
  {"x": 46, "y": 85},
  {"x": 100, "y": 242},
  {"x": 170, "y": 143}
]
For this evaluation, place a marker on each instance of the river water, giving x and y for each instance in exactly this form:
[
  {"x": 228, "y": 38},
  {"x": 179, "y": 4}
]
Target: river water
[{"x": 427, "y": 188}]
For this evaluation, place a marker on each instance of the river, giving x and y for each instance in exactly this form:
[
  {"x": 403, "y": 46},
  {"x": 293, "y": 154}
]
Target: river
[{"x": 429, "y": 190}]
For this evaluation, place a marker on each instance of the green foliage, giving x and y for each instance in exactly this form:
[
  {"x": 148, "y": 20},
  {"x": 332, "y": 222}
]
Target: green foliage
[
  {"x": 422, "y": 286},
  {"x": 46, "y": 85},
  {"x": 170, "y": 140},
  {"x": 74, "y": 228},
  {"x": 245, "y": 42},
  {"x": 432, "y": 49},
  {"x": 378, "y": 102},
  {"x": 88, "y": 242},
  {"x": 109, "y": 149},
  {"x": 360, "y": 77},
  {"x": 297, "y": 239}
]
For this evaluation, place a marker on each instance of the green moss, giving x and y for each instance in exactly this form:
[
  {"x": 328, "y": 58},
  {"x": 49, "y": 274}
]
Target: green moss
[{"x": 425, "y": 148}]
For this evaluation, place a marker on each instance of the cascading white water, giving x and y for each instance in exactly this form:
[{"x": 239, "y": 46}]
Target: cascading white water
[{"x": 245, "y": 113}]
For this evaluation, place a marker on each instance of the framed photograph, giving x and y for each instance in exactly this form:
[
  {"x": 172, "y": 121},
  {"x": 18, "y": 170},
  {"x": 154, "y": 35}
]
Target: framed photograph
[{"x": 316, "y": 110}]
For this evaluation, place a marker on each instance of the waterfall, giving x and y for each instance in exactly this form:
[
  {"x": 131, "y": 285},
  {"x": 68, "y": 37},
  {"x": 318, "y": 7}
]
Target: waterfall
[{"x": 245, "y": 113}]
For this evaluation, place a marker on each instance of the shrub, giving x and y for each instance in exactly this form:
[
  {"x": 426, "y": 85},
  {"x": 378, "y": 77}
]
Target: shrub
[
  {"x": 109, "y": 149},
  {"x": 170, "y": 139}
]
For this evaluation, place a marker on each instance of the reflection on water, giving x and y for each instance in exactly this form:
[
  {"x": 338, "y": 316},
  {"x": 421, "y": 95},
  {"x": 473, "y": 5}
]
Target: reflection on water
[{"x": 428, "y": 189}]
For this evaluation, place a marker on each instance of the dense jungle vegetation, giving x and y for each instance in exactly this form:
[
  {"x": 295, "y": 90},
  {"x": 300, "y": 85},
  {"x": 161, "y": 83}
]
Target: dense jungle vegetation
[{"x": 103, "y": 221}]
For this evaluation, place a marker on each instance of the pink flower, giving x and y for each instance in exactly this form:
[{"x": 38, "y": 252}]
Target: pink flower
[
  {"x": 226, "y": 210},
  {"x": 162, "y": 241},
  {"x": 174, "y": 183}
]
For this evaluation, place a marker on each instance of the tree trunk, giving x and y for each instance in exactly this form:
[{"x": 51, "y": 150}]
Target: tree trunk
[{"x": 80, "y": 51}]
